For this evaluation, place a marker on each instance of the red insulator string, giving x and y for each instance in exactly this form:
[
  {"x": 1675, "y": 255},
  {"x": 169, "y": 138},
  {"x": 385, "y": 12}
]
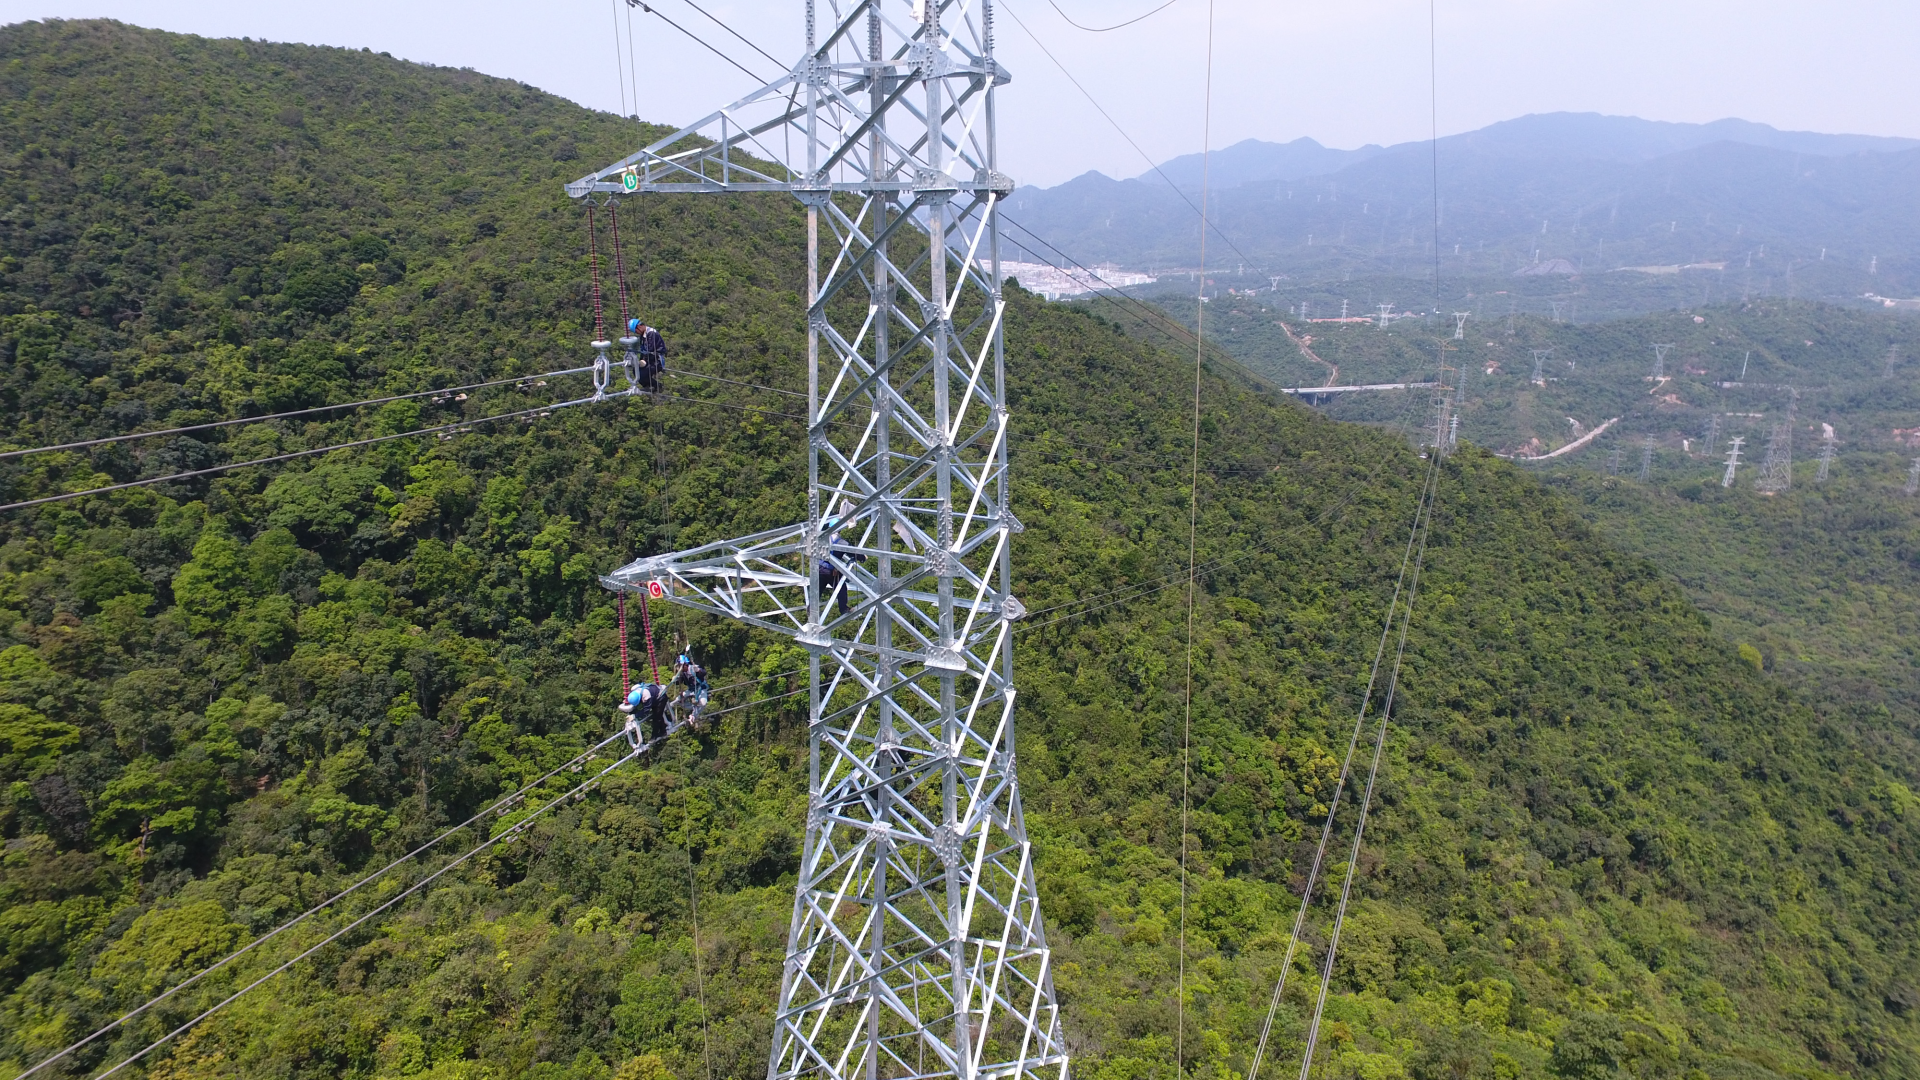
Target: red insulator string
[
  {"x": 593, "y": 273},
  {"x": 619, "y": 267},
  {"x": 621, "y": 602},
  {"x": 646, "y": 623}
]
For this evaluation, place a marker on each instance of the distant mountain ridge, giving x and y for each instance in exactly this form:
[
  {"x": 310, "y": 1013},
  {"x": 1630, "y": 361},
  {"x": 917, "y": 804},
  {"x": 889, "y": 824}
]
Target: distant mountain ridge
[
  {"x": 1252, "y": 160},
  {"x": 1598, "y": 191},
  {"x": 1586, "y": 135}
]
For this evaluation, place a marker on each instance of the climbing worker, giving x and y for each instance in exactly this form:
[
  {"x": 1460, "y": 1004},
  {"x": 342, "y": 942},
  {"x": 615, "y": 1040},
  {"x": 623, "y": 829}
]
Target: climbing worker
[
  {"x": 653, "y": 353},
  {"x": 830, "y": 579},
  {"x": 689, "y": 673},
  {"x": 831, "y": 575},
  {"x": 649, "y": 701}
]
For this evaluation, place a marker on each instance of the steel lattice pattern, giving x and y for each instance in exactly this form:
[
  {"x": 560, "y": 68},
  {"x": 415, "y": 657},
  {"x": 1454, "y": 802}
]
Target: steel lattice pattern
[{"x": 916, "y": 946}]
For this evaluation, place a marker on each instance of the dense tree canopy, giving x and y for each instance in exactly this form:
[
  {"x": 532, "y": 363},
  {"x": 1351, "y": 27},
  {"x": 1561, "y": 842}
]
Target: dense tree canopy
[{"x": 1605, "y": 844}]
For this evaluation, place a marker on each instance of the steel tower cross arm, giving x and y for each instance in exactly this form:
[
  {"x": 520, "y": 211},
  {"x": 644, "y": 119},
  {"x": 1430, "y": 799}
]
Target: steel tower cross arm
[
  {"x": 750, "y": 144},
  {"x": 917, "y": 948}
]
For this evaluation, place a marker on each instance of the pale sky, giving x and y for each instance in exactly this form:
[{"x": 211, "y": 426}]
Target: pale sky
[{"x": 1345, "y": 74}]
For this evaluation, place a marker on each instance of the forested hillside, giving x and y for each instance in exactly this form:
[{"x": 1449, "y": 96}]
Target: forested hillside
[{"x": 1605, "y": 844}]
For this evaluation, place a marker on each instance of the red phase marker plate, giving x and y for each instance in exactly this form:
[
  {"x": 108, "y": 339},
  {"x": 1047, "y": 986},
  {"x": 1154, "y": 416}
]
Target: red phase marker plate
[{"x": 656, "y": 590}]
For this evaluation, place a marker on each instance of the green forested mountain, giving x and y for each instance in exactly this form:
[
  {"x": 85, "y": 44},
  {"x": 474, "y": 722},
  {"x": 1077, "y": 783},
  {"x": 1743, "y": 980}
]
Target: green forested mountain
[
  {"x": 1820, "y": 579},
  {"x": 1606, "y": 845}
]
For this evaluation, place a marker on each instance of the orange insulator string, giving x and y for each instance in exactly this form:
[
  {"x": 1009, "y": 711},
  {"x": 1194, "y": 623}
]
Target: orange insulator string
[
  {"x": 621, "y": 602},
  {"x": 619, "y": 267},
  {"x": 593, "y": 274},
  {"x": 646, "y": 623}
]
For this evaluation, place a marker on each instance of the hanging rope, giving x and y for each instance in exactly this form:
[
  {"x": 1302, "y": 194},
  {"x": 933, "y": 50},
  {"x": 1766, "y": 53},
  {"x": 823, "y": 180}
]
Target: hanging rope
[
  {"x": 699, "y": 973},
  {"x": 593, "y": 274},
  {"x": 621, "y": 603},
  {"x": 619, "y": 267}
]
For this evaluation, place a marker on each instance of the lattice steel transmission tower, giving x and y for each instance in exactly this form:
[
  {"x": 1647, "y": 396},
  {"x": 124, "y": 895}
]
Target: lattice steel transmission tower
[
  {"x": 1826, "y": 453},
  {"x": 1733, "y": 459},
  {"x": 1460, "y": 325},
  {"x": 1659, "y": 363},
  {"x": 1540, "y": 365},
  {"x": 1776, "y": 470},
  {"x": 916, "y": 947},
  {"x": 1646, "y": 458},
  {"x": 1913, "y": 478}
]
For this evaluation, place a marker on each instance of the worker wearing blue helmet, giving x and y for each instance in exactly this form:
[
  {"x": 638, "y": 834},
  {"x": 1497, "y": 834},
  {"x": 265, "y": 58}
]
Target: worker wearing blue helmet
[{"x": 653, "y": 353}]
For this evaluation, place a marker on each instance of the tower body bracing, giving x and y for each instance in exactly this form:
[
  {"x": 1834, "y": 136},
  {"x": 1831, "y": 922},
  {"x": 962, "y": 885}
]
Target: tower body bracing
[{"x": 916, "y": 947}]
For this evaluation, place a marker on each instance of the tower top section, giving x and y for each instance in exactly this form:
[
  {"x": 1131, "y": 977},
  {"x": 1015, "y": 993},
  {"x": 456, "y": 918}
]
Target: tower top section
[{"x": 810, "y": 131}]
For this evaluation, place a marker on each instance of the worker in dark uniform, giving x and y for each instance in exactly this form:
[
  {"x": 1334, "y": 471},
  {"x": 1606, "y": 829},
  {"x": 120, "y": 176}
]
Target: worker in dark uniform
[
  {"x": 689, "y": 673},
  {"x": 653, "y": 353},
  {"x": 648, "y": 703}
]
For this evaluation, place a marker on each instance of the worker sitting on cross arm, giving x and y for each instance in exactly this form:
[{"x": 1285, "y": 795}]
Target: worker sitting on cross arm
[{"x": 648, "y": 700}]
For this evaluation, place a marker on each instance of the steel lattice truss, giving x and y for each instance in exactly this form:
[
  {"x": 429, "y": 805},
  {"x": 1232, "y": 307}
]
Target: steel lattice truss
[{"x": 916, "y": 946}]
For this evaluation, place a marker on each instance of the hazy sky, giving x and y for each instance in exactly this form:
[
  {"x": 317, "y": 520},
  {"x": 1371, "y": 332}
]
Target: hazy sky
[{"x": 1345, "y": 74}]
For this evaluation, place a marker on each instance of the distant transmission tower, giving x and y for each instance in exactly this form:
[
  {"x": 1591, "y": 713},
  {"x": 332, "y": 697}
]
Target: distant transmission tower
[
  {"x": 1893, "y": 355},
  {"x": 1613, "y": 462},
  {"x": 1443, "y": 425},
  {"x": 1776, "y": 469},
  {"x": 1776, "y": 474},
  {"x": 1539, "y": 366},
  {"x": 1386, "y": 315},
  {"x": 1733, "y": 461},
  {"x": 1646, "y": 458},
  {"x": 1557, "y": 305},
  {"x": 1913, "y": 477},
  {"x": 1826, "y": 453},
  {"x": 1660, "y": 362},
  {"x": 1460, "y": 325}
]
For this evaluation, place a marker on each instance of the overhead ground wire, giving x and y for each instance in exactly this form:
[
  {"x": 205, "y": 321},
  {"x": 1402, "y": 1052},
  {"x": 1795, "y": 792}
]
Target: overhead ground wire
[
  {"x": 497, "y": 806},
  {"x": 191, "y": 473},
  {"x": 1373, "y": 772},
  {"x": 1340, "y": 783},
  {"x": 83, "y": 443},
  {"x": 1123, "y": 132},
  {"x": 743, "y": 40},
  {"x": 1423, "y": 524},
  {"x": 1193, "y": 541},
  {"x": 1115, "y": 26},
  {"x": 650, "y": 9},
  {"x": 510, "y": 832}
]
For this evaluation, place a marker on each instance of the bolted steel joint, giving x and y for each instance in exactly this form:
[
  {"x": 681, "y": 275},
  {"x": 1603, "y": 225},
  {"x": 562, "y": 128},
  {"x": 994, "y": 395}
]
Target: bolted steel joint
[{"x": 948, "y": 844}]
